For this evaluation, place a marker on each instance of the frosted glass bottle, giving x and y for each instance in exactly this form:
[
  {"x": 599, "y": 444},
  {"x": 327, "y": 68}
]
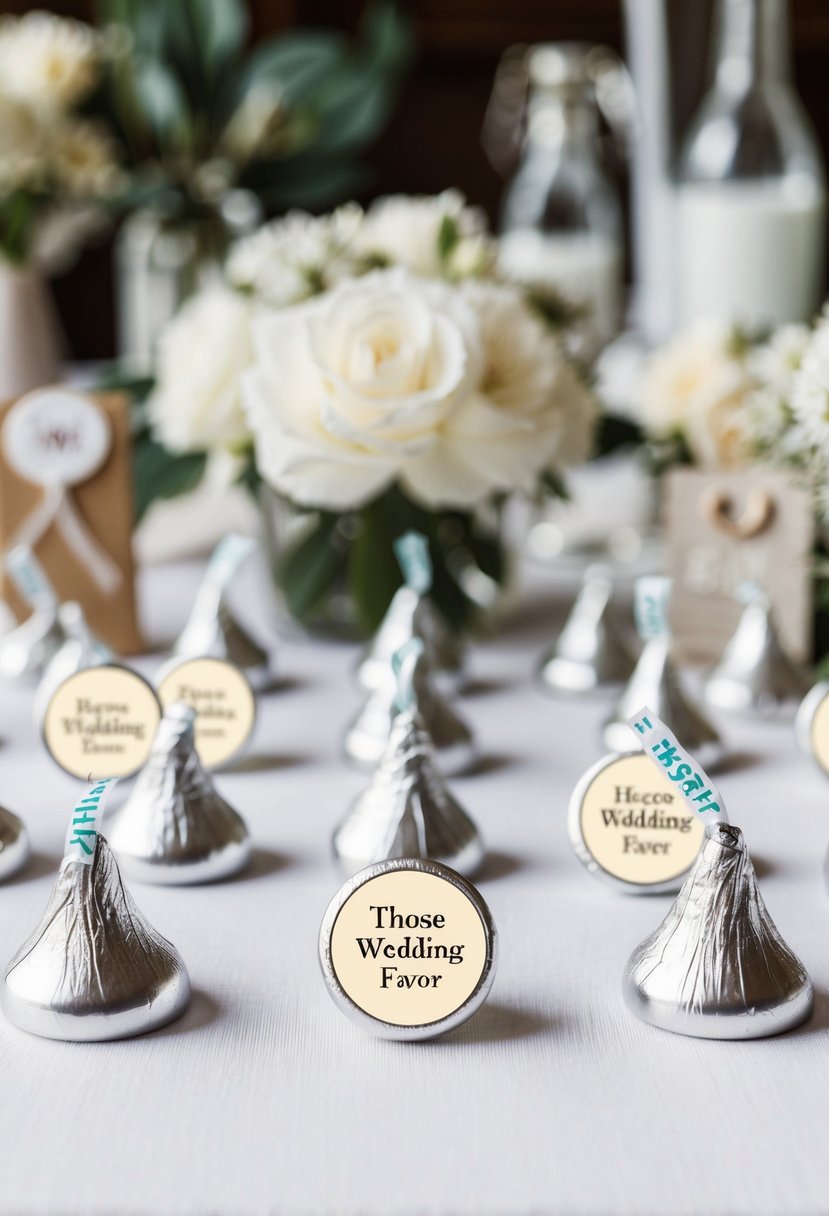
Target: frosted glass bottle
[
  {"x": 751, "y": 201},
  {"x": 561, "y": 219}
]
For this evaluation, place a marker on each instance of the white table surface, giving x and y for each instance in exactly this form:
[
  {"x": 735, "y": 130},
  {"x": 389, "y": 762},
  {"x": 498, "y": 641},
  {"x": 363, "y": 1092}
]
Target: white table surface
[{"x": 553, "y": 1099}]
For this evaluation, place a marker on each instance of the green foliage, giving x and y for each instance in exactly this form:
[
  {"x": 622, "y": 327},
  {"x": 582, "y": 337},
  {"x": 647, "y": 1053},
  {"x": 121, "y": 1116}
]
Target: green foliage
[{"x": 174, "y": 96}]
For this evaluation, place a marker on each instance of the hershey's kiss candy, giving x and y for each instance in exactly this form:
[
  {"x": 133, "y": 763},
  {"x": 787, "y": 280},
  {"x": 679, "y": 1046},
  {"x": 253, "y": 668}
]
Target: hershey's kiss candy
[
  {"x": 755, "y": 675},
  {"x": 717, "y": 967},
  {"x": 212, "y": 630},
  {"x": 367, "y": 738},
  {"x": 592, "y": 650},
  {"x": 94, "y": 969},
  {"x": 174, "y": 827},
  {"x": 407, "y": 811},
  {"x": 80, "y": 650},
  {"x": 14, "y": 844},
  {"x": 656, "y": 682},
  {"x": 412, "y": 613},
  {"x": 26, "y": 650}
]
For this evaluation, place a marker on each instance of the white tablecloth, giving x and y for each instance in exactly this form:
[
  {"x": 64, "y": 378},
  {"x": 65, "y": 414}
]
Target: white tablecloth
[{"x": 553, "y": 1099}]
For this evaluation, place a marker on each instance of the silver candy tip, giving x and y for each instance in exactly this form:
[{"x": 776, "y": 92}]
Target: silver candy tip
[
  {"x": 94, "y": 969},
  {"x": 81, "y": 649},
  {"x": 175, "y": 828},
  {"x": 591, "y": 651},
  {"x": 409, "y": 615},
  {"x": 367, "y": 738},
  {"x": 755, "y": 675},
  {"x": 717, "y": 967},
  {"x": 212, "y": 631},
  {"x": 656, "y": 683},
  {"x": 407, "y": 811}
]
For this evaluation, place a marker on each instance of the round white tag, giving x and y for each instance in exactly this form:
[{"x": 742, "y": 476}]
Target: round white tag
[
  {"x": 630, "y": 825},
  {"x": 224, "y": 702},
  {"x": 56, "y": 437},
  {"x": 101, "y": 722}
]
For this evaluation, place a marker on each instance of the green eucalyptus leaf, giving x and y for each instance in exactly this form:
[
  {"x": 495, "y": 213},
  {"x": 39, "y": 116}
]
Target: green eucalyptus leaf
[
  {"x": 298, "y": 62},
  {"x": 162, "y": 98},
  {"x": 352, "y": 110},
  {"x": 307, "y": 570},
  {"x": 158, "y": 473}
]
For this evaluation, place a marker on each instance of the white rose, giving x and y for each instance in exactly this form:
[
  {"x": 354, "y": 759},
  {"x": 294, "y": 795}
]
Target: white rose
[
  {"x": 406, "y": 231},
  {"x": 48, "y": 61},
  {"x": 85, "y": 159},
  {"x": 697, "y": 386},
  {"x": 350, "y": 390},
  {"x": 196, "y": 404},
  {"x": 23, "y": 146},
  {"x": 527, "y": 412}
]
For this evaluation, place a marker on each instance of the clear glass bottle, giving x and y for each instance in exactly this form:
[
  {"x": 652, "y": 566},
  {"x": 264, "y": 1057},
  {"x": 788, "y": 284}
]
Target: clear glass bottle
[
  {"x": 561, "y": 223},
  {"x": 751, "y": 199}
]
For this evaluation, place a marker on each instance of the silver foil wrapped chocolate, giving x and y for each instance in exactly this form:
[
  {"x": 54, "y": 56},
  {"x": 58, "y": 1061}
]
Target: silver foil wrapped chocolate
[
  {"x": 656, "y": 682},
  {"x": 717, "y": 967},
  {"x": 412, "y": 614},
  {"x": 81, "y": 649},
  {"x": 175, "y": 828},
  {"x": 367, "y": 738},
  {"x": 212, "y": 630},
  {"x": 26, "y": 650},
  {"x": 755, "y": 675},
  {"x": 407, "y": 811},
  {"x": 592, "y": 650},
  {"x": 94, "y": 969},
  {"x": 14, "y": 844}
]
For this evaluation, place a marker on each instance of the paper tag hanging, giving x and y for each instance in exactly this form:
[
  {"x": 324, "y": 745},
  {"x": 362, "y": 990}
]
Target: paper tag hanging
[
  {"x": 101, "y": 720},
  {"x": 58, "y": 438},
  {"x": 812, "y": 724},
  {"x": 408, "y": 949},
  {"x": 224, "y": 702},
  {"x": 86, "y": 818},
  {"x": 631, "y": 828}
]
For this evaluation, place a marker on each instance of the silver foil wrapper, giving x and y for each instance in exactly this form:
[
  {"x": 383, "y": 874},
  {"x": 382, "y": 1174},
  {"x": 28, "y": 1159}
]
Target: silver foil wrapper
[
  {"x": 755, "y": 675},
  {"x": 81, "y": 649},
  {"x": 94, "y": 969},
  {"x": 655, "y": 682},
  {"x": 717, "y": 967},
  {"x": 14, "y": 844},
  {"x": 175, "y": 828},
  {"x": 592, "y": 650},
  {"x": 212, "y": 631},
  {"x": 407, "y": 811},
  {"x": 367, "y": 738},
  {"x": 411, "y": 615},
  {"x": 26, "y": 650}
]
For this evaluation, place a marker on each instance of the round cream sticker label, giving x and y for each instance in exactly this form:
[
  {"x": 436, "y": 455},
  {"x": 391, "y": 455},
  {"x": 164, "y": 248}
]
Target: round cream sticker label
[
  {"x": 819, "y": 734},
  {"x": 628, "y": 821},
  {"x": 409, "y": 947},
  {"x": 56, "y": 437},
  {"x": 224, "y": 702},
  {"x": 101, "y": 722}
]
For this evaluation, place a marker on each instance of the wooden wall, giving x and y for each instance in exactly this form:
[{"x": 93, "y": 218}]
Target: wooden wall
[{"x": 433, "y": 140}]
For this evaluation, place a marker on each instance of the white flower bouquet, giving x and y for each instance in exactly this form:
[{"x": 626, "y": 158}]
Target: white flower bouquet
[
  {"x": 372, "y": 370},
  {"x": 57, "y": 164},
  {"x": 720, "y": 398}
]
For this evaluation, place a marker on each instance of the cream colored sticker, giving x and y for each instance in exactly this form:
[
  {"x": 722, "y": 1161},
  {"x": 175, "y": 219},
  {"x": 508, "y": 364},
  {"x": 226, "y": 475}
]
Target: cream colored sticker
[
  {"x": 224, "y": 703},
  {"x": 636, "y": 825},
  {"x": 409, "y": 948},
  {"x": 819, "y": 734},
  {"x": 101, "y": 722}
]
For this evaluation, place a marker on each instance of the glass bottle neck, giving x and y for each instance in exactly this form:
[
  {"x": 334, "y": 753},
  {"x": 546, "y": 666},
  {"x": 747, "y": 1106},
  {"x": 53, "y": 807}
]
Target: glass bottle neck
[
  {"x": 557, "y": 121},
  {"x": 751, "y": 45}
]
